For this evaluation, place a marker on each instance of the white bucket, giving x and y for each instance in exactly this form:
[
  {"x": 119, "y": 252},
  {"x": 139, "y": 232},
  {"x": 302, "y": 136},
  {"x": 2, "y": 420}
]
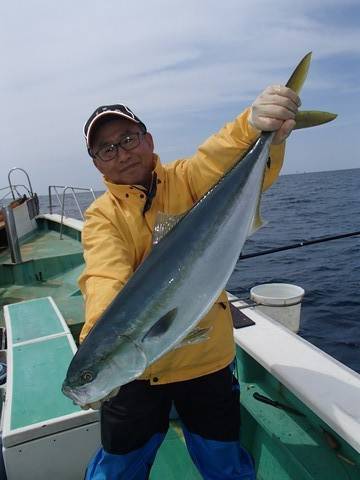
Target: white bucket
[{"x": 280, "y": 301}]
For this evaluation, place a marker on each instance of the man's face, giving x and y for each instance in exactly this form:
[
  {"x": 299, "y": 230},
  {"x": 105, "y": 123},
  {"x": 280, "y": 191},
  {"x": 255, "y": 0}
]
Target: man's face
[{"x": 131, "y": 167}]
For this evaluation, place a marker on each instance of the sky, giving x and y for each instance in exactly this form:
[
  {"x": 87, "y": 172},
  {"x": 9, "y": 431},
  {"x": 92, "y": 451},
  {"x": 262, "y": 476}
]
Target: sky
[{"x": 185, "y": 68}]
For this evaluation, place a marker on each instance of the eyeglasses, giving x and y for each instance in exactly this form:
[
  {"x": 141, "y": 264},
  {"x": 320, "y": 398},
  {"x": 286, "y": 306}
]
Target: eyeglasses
[{"x": 128, "y": 142}]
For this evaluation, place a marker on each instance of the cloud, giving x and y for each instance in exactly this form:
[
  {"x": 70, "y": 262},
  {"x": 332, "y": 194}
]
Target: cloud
[{"x": 205, "y": 60}]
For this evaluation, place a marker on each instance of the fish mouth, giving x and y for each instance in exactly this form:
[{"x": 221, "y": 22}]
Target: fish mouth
[
  {"x": 125, "y": 365},
  {"x": 80, "y": 397},
  {"x": 75, "y": 394}
]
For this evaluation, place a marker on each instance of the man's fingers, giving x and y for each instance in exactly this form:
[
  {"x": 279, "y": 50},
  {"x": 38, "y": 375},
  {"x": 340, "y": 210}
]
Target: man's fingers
[
  {"x": 93, "y": 406},
  {"x": 283, "y": 132},
  {"x": 284, "y": 92},
  {"x": 268, "y": 124},
  {"x": 278, "y": 100},
  {"x": 274, "y": 111}
]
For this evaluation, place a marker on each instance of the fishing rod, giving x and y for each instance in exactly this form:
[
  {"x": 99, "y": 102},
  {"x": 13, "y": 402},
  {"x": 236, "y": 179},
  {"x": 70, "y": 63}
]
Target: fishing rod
[{"x": 298, "y": 245}]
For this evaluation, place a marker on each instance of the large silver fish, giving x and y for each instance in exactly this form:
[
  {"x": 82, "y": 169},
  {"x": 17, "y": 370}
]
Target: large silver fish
[{"x": 176, "y": 285}]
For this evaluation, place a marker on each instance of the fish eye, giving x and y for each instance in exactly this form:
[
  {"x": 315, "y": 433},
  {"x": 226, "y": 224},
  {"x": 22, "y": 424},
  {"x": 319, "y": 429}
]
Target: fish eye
[{"x": 87, "y": 376}]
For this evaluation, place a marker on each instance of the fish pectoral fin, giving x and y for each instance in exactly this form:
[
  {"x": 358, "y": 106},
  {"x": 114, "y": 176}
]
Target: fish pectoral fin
[
  {"x": 161, "y": 326},
  {"x": 195, "y": 336},
  {"x": 163, "y": 224}
]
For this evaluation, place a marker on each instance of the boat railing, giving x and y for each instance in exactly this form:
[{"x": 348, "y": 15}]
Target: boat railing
[
  {"x": 12, "y": 187},
  {"x": 6, "y": 192},
  {"x": 19, "y": 206},
  {"x": 61, "y": 199},
  {"x": 14, "y": 193}
]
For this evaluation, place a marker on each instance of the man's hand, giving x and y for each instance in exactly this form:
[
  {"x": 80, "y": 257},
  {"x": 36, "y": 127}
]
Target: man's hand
[
  {"x": 93, "y": 406},
  {"x": 274, "y": 110}
]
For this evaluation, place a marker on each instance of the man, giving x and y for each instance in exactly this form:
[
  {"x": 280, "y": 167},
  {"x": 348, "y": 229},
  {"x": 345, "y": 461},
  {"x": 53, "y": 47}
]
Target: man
[{"x": 117, "y": 237}]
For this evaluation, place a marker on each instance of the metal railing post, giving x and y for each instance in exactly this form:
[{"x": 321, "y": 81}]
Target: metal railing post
[
  {"x": 12, "y": 236},
  {"x": 56, "y": 195},
  {"x": 50, "y": 199},
  {"x": 76, "y": 202}
]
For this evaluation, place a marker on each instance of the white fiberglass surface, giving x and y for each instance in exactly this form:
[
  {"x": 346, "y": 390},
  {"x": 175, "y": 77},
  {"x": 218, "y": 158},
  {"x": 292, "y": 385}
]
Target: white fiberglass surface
[{"x": 325, "y": 385}]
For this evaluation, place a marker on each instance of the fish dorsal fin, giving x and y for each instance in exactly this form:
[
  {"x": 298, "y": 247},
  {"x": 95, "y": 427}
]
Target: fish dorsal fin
[
  {"x": 163, "y": 224},
  {"x": 161, "y": 326}
]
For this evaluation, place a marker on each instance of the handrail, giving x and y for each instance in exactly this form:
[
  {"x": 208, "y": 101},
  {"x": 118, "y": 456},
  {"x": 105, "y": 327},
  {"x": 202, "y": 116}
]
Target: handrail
[
  {"x": 11, "y": 186},
  {"x": 56, "y": 194},
  {"x": 13, "y": 239},
  {"x": 74, "y": 190}
]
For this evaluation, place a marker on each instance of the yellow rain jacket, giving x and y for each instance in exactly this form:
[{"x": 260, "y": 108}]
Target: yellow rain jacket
[{"x": 117, "y": 237}]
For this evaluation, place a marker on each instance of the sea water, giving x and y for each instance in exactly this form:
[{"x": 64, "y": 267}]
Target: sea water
[
  {"x": 304, "y": 207},
  {"x": 297, "y": 208}
]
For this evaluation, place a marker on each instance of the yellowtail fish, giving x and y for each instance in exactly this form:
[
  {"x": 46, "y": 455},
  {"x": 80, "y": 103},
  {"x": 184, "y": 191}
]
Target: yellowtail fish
[{"x": 178, "y": 282}]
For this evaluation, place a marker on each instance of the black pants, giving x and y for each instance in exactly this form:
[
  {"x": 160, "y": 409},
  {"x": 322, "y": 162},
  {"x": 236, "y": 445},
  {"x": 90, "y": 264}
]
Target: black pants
[{"x": 207, "y": 406}]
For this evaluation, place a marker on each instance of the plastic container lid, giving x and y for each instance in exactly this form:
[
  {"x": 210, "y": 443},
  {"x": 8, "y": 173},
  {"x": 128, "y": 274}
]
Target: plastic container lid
[{"x": 277, "y": 294}]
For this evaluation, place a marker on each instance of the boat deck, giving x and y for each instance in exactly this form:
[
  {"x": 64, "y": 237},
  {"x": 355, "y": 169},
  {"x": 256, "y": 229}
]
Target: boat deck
[
  {"x": 173, "y": 460},
  {"x": 43, "y": 244},
  {"x": 302, "y": 440},
  {"x": 51, "y": 266}
]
